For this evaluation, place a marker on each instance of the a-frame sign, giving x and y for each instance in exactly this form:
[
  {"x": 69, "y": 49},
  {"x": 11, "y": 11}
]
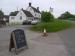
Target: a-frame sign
[{"x": 18, "y": 40}]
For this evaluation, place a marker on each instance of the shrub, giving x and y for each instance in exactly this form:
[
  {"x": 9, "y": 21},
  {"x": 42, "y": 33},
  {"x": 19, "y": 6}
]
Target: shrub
[{"x": 46, "y": 17}]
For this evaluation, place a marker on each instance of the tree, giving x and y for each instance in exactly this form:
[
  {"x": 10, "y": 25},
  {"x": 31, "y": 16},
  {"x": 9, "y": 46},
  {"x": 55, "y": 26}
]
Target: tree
[
  {"x": 2, "y": 22},
  {"x": 14, "y": 13},
  {"x": 1, "y": 13},
  {"x": 46, "y": 17},
  {"x": 66, "y": 15}
]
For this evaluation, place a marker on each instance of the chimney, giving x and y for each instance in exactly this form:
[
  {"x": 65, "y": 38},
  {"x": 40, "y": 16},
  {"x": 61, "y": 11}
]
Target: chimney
[
  {"x": 38, "y": 8},
  {"x": 29, "y": 4}
]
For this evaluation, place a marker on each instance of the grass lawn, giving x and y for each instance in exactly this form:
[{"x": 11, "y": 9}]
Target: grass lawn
[{"x": 54, "y": 26}]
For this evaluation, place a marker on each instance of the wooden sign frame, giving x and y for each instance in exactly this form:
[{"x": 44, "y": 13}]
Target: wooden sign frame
[{"x": 14, "y": 45}]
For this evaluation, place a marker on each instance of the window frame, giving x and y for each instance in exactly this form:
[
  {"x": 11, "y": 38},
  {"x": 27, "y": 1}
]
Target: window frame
[
  {"x": 12, "y": 17},
  {"x": 20, "y": 17}
]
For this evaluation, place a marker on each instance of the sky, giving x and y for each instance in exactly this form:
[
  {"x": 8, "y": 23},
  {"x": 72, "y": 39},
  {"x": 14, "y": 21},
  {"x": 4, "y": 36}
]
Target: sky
[{"x": 60, "y": 6}]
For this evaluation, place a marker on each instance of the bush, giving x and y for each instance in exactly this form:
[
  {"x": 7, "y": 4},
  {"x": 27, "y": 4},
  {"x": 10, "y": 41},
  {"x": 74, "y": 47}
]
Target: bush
[
  {"x": 46, "y": 17},
  {"x": 67, "y": 15},
  {"x": 54, "y": 26}
]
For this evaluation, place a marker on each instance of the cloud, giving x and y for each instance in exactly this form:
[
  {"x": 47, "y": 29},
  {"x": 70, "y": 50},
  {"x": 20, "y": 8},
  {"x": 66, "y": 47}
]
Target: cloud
[{"x": 59, "y": 5}]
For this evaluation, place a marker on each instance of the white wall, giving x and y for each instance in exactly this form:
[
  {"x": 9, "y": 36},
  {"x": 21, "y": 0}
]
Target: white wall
[
  {"x": 31, "y": 11},
  {"x": 11, "y": 20},
  {"x": 35, "y": 14},
  {"x": 17, "y": 17},
  {"x": 38, "y": 15},
  {"x": 20, "y": 14}
]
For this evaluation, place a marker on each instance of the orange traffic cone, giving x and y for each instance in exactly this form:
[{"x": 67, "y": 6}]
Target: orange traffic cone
[{"x": 45, "y": 33}]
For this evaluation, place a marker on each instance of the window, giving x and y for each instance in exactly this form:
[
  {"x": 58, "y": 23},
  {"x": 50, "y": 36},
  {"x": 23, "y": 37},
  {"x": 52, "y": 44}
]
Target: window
[
  {"x": 39, "y": 16},
  {"x": 30, "y": 19},
  {"x": 35, "y": 18},
  {"x": 35, "y": 14},
  {"x": 12, "y": 17},
  {"x": 20, "y": 17}
]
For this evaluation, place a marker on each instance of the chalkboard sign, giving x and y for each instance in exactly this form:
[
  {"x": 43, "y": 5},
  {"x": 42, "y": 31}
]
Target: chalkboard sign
[{"x": 18, "y": 39}]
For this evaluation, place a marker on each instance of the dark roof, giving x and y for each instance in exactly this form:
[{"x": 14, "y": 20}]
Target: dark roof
[
  {"x": 35, "y": 9},
  {"x": 14, "y": 13},
  {"x": 6, "y": 16},
  {"x": 28, "y": 13}
]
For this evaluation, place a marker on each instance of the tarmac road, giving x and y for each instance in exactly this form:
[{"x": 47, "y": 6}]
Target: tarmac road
[
  {"x": 53, "y": 45},
  {"x": 68, "y": 38}
]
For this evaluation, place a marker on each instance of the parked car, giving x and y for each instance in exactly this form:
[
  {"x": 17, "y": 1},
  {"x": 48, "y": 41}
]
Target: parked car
[
  {"x": 34, "y": 22},
  {"x": 26, "y": 22}
]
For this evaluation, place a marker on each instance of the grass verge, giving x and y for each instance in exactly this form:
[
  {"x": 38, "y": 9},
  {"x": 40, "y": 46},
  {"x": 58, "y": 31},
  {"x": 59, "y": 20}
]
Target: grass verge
[{"x": 54, "y": 26}]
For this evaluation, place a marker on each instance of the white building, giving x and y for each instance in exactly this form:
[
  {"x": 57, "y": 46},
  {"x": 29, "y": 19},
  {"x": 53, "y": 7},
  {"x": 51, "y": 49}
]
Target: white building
[
  {"x": 34, "y": 11},
  {"x": 20, "y": 16},
  {"x": 29, "y": 14}
]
